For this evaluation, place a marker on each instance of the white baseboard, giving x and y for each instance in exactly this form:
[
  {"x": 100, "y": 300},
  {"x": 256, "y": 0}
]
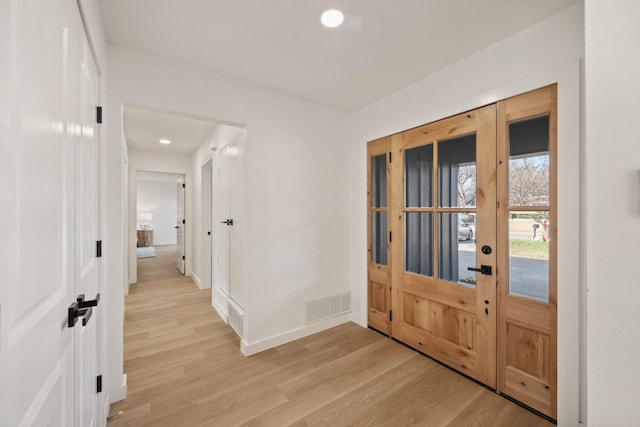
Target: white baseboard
[
  {"x": 265, "y": 344},
  {"x": 196, "y": 279},
  {"x": 164, "y": 243},
  {"x": 222, "y": 310},
  {"x": 118, "y": 393}
]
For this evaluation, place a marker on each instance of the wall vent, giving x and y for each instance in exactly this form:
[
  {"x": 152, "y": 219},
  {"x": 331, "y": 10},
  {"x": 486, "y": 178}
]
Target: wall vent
[{"x": 326, "y": 308}]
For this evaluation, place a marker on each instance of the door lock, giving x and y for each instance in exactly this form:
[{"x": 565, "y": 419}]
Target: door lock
[{"x": 484, "y": 269}]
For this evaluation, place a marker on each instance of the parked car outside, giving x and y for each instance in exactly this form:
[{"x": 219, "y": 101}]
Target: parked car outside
[{"x": 465, "y": 231}]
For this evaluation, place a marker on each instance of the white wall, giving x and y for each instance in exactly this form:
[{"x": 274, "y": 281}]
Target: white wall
[
  {"x": 545, "y": 53},
  {"x": 154, "y": 161},
  {"x": 612, "y": 67},
  {"x": 161, "y": 200},
  {"x": 296, "y": 176}
]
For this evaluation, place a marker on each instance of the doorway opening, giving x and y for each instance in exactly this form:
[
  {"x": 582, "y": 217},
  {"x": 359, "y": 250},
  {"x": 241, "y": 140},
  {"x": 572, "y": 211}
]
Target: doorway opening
[{"x": 160, "y": 215}]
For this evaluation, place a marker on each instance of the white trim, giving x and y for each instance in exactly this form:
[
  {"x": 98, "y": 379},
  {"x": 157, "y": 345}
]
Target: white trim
[
  {"x": 249, "y": 349},
  {"x": 118, "y": 393},
  {"x": 240, "y": 137},
  {"x": 196, "y": 279}
]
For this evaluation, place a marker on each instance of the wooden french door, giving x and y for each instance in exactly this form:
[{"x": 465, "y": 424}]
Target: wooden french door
[
  {"x": 453, "y": 270},
  {"x": 527, "y": 362}
]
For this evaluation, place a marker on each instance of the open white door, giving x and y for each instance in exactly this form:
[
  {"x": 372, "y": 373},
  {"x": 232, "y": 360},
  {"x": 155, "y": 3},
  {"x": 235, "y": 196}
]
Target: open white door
[
  {"x": 180, "y": 256},
  {"x": 46, "y": 95}
]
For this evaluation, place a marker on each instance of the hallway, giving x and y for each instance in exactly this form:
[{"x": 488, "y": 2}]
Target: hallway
[{"x": 185, "y": 368}]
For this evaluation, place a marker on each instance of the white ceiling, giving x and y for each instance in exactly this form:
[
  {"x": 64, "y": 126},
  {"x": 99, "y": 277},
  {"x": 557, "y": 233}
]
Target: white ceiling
[
  {"x": 383, "y": 45},
  {"x": 144, "y": 128}
]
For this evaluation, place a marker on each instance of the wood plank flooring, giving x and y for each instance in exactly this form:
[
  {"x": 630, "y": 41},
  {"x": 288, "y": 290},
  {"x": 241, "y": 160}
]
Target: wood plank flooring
[{"x": 185, "y": 368}]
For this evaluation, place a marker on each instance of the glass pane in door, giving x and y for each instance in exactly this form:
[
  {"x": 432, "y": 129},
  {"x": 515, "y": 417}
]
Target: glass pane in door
[
  {"x": 379, "y": 238},
  {"x": 457, "y": 247},
  {"x": 529, "y": 255},
  {"x": 418, "y": 253},
  {"x": 457, "y": 172},
  {"x": 418, "y": 177},
  {"x": 379, "y": 181},
  {"x": 529, "y": 162}
]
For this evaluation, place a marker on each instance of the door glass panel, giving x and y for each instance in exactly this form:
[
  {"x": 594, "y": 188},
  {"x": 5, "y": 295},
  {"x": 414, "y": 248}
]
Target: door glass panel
[
  {"x": 529, "y": 255},
  {"x": 379, "y": 238},
  {"x": 457, "y": 172},
  {"x": 418, "y": 173},
  {"x": 418, "y": 254},
  {"x": 457, "y": 247},
  {"x": 529, "y": 162},
  {"x": 379, "y": 181}
]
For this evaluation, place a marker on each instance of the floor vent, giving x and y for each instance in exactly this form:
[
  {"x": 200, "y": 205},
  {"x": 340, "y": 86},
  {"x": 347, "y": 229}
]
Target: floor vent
[{"x": 327, "y": 307}]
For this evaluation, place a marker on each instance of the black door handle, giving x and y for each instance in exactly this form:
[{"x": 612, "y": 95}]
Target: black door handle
[
  {"x": 85, "y": 304},
  {"x": 228, "y": 222},
  {"x": 75, "y": 311},
  {"x": 484, "y": 269}
]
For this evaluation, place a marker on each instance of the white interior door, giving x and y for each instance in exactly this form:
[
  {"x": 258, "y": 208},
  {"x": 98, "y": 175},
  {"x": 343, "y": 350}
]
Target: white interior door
[
  {"x": 40, "y": 108},
  {"x": 86, "y": 334},
  {"x": 234, "y": 161},
  {"x": 180, "y": 256},
  {"x": 228, "y": 222},
  {"x": 222, "y": 229},
  {"x": 206, "y": 225}
]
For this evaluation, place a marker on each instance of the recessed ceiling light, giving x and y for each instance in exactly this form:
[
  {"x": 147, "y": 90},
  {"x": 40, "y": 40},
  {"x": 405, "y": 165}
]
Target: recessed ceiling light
[
  {"x": 332, "y": 18},
  {"x": 165, "y": 141}
]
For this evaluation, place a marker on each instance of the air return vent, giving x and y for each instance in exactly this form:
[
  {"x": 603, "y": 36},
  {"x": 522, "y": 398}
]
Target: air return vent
[{"x": 327, "y": 307}]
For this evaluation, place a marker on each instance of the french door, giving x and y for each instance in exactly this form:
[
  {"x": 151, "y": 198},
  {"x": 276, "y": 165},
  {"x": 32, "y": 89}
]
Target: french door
[{"x": 461, "y": 243}]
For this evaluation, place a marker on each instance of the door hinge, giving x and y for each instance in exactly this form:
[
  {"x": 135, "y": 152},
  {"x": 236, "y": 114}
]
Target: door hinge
[
  {"x": 183, "y": 257},
  {"x": 99, "y": 249},
  {"x": 390, "y": 240},
  {"x": 389, "y": 156},
  {"x": 99, "y": 384},
  {"x": 99, "y": 115},
  {"x": 390, "y": 315},
  {"x": 184, "y": 221},
  {"x": 183, "y": 186}
]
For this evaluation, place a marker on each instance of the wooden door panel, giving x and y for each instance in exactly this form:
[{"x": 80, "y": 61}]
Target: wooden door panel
[
  {"x": 452, "y": 324},
  {"x": 527, "y": 359},
  {"x": 379, "y": 283},
  {"x": 449, "y": 321}
]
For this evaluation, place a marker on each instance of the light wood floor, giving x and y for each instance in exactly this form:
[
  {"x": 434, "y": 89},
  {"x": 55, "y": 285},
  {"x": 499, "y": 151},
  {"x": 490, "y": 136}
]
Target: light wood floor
[{"x": 185, "y": 368}]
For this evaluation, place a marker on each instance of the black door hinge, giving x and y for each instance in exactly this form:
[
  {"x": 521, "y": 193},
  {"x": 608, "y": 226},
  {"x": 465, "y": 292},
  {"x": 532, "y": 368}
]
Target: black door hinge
[
  {"x": 184, "y": 221},
  {"x": 390, "y": 237},
  {"x": 183, "y": 257},
  {"x": 99, "y": 249},
  {"x": 390, "y": 315},
  {"x": 183, "y": 186},
  {"x": 389, "y": 156},
  {"x": 99, "y": 115},
  {"x": 99, "y": 384}
]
